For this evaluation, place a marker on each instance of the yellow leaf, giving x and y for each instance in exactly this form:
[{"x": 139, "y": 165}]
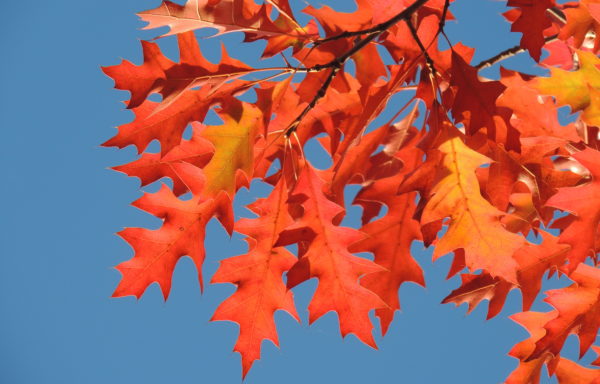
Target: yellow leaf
[
  {"x": 475, "y": 224},
  {"x": 573, "y": 87},
  {"x": 234, "y": 143},
  {"x": 591, "y": 115}
]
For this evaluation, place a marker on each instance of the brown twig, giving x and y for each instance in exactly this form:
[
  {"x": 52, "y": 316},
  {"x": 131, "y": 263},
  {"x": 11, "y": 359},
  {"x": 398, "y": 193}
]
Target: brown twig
[
  {"x": 557, "y": 15},
  {"x": 509, "y": 53},
  {"x": 320, "y": 93},
  {"x": 428, "y": 59},
  {"x": 553, "y": 12},
  {"x": 336, "y": 64},
  {"x": 442, "y": 22},
  {"x": 407, "y": 12}
]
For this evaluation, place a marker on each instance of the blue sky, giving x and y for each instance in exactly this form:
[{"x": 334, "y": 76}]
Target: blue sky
[{"x": 61, "y": 207}]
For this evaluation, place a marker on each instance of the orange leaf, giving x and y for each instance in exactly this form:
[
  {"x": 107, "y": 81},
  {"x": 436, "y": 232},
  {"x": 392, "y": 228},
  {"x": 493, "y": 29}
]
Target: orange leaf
[
  {"x": 579, "y": 22},
  {"x": 577, "y": 311},
  {"x": 583, "y": 202},
  {"x": 258, "y": 277},
  {"x": 569, "y": 372},
  {"x": 150, "y": 167},
  {"x": 474, "y": 223},
  {"x": 328, "y": 259},
  {"x": 182, "y": 234},
  {"x": 529, "y": 371},
  {"x": 534, "y": 261}
]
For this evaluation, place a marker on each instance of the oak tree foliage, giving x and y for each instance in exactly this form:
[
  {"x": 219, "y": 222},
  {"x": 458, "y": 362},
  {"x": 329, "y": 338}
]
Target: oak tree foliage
[{"x": 488, "y": 160}]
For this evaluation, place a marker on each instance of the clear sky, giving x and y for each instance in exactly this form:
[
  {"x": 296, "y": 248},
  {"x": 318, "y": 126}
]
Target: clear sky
[{"x": 61, "y": 207}]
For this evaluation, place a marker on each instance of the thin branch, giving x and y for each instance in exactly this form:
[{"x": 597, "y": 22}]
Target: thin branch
[
  {"x": 557, "y": 15},
  {"x": 553, "y": 12},
  {"x": 442, "y": 23},
  {"x": 320, "y": 93},
  {"x": 428, "y": 58},
  {"x": 406, "y": 13},
  {"x": 337, "y": 63},
  {"x": 509, "y": 53}
]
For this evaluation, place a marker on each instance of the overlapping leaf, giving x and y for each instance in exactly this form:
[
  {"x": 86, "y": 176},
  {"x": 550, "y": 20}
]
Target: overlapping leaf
[
  {"x": 182, "y": 234},
  {"x": 580, "y": 21},
  {"x": 575, "y": 88},
  {"x": 491, "y": 163},
  {"x": 583, "y": 202},
  {"x": 327, "y": 258},
  {"x": 232, "y": 16},
  {"x": 258, "y": 275},
  {"x": 532, "y": 22},
  {"x": 474, "y": 224}
]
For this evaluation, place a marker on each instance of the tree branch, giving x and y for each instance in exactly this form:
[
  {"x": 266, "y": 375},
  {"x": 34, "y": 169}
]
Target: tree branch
[
  {"x": 553, "y": 12},
  {"x": 557, "y": 15},
  {"x": 406, "y": 13},
  {"x": 509, "y": 53},
  {"x": 337, "y": 63},
  {"x": 428, "y": 58},
  {"x": 320, "y": 93}
]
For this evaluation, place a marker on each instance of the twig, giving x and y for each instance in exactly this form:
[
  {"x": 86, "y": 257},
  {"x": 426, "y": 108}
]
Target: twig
[
  {"x": 337, "y": 63},
  {"x": 320, "y": 93},
  {"x": 407, "y": 12},
  {"x": 428, "y": 58},
  {"x": 442, "y": 23},
  {"x": 553, "y": 12},
  {"x": 557, "y": 15},
  {"x": 509, "y": 53}
]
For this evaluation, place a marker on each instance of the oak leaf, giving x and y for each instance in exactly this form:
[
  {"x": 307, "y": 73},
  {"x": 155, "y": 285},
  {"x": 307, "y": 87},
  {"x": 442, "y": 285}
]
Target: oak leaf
[
  {"x": 151, "y": 167},
  {"x": 474, "y": 224},
  {"x": 577, "y": 311},
  {"x": 327, "y": 258},
  {"x": 532, "y": 22},
  {"x": 232, "y": 164},
  {"x": 258, "y": 276},
  {"x": 181, "y": 234},
  {"x": 582, "y": 202},
  {"x": 533, "y": 261},
  {"x": 166, "y": 126},
  {"x": 580, "y": 21},
  {"x": 569, "y": 372},
  {"x": 573, "y": 87},
  {"x": 233, "y": 16}
]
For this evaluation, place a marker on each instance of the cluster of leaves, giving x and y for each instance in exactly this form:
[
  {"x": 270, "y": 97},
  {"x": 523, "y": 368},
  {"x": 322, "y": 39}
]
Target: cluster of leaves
[{"x": 488, "y": 160}]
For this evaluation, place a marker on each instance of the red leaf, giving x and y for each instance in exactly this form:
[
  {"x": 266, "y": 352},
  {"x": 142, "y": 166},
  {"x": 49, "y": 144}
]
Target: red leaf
[
  {"x": 143, "y": 79},
  {"x": 577, "y": 311},
  {"x": 532, "y": 22},
  {"x": 475, "y": 103},
  {"x": 150, "y": 167},
  {"x": 232, "y": 16},
  {"x": 258, "y": 277},
  {"x": 328, "y": 259},
  {"x": 182, "y": 234},
  {"x": 166, "y": 125},
  {"x": 583, "y": 202}
]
